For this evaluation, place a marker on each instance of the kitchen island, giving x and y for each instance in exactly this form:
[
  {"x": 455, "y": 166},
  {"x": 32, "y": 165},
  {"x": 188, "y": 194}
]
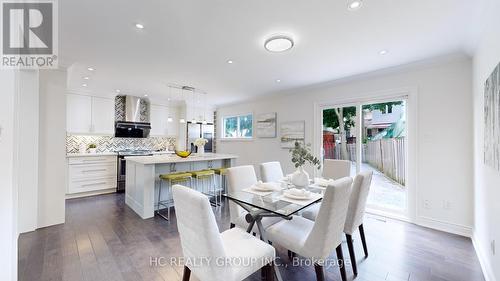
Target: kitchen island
[{"x": 142, "y": 175}]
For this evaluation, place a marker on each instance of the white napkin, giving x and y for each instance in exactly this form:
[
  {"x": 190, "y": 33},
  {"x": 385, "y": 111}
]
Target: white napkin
[
  {"x": 299, "y": 192},
  {"x": 323, "y": 182},
  {"x": 266, "y": 186}
]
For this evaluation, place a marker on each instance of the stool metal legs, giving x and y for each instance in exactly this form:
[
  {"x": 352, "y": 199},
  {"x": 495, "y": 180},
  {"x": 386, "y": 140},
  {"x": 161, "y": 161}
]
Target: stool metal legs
[{"x": 168, "y": 203}]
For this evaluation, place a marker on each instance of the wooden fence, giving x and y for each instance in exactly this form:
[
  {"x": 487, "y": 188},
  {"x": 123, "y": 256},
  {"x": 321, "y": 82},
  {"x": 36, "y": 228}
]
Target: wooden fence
[
  {"x": 386, "y": 155},
  {"x": 389, "y": 157}
]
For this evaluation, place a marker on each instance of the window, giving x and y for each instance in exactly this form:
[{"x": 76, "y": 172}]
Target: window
[{"x": 238, "y": 127}]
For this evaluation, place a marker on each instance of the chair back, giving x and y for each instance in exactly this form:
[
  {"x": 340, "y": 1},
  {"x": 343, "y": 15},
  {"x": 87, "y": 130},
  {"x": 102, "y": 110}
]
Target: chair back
[
  {"x": 357, "y": 201},
  {"x": 327, "y": 231},
  {"x": 271, "y": 171},
  {"x": 336, "y": 169},
  {"x": 198, "y": 231},
  {"x": 239, "y": 178}
]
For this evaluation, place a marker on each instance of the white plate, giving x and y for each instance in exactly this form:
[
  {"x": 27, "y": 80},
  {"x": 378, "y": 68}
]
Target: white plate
[{"x": 291, "y": 196}]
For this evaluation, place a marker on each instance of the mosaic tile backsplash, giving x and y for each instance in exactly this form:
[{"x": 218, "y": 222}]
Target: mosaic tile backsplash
[{"x": 112, "y": 144}]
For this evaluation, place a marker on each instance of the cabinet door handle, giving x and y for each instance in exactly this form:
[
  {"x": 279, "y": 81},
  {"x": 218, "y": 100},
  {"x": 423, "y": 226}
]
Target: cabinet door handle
[
  {"x": 97, "y": 170},
  {"x": 91, "y": 184}
]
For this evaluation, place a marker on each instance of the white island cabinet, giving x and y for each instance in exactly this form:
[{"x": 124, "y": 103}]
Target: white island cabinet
[{"x": 142, "y": 176}]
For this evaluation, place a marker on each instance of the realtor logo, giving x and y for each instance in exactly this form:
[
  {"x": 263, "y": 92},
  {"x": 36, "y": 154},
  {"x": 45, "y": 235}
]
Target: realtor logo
[{"x": 29, "y": 35}]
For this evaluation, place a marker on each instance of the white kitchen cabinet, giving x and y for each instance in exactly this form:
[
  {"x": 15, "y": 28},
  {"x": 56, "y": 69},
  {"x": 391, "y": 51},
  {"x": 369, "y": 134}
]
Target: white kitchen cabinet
[
  {"x": 90, "y": 115},
  {"x": 173, "y": 127},
  {"x": 78, "y": 114},
  {"x": 159, "y": 121},
  {"x": 91, "y": 174},
  {"x": 103, "y": 116},
  {"x": 158, "y": 115}
]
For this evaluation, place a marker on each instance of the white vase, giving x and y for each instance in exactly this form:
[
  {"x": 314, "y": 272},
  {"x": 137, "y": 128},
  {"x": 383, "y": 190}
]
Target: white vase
[
  {"x": 201, "y": 149},
  {"x": 300, "y": 178}
]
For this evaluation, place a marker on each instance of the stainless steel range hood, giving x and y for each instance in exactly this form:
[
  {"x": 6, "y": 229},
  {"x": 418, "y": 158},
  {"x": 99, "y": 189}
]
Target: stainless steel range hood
[{"x": 132, "y": 117}]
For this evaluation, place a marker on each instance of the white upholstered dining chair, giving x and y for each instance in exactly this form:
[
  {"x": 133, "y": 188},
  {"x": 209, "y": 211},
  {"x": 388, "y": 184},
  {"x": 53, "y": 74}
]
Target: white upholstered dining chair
[
  {"x": 336, "y": 169},
  {"x": 271, "y": 171},
  {"x": 317, "y": 239},
  {"x": 239, "y": 178},
  {"x": 355, "y": 213},
  {"x": 208, "y": 251}
]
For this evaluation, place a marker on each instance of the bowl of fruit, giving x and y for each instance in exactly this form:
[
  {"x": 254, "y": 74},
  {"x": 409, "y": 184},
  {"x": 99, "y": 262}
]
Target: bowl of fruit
[{"x": 183, "y": 153}]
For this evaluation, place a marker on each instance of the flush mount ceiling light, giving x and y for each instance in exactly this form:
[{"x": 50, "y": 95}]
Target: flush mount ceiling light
[
  {"x": 354, "y": 5},
  {"x": 139, "y": 26},
  {"x": 278, "y": 43}
]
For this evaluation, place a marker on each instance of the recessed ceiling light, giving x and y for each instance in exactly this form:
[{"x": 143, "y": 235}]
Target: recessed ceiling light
[
  {"x": 170, "y": 119},
  {"x": 355, "y": 5},
  {"x": 278, "y": 80},
  {"x": 139, "y": 25},
  {"x": 383, "y": 52},
  {"x": 84, "y": 85},
  {"x": 117, "y": 90},
  {"x": 86, "y": 78},
  {"x": 146, "y": 95},
  {"x": 90, "y": 69},
  {"x": 278, "y": 43},
  {"x": 230, "y": 61},
  {"x": 182, "y": 120}
]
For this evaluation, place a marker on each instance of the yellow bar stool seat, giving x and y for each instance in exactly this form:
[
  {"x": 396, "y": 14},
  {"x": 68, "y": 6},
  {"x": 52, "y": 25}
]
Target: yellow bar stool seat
[
  {"x": 202, "y": 178},
  {"x": 176, "y": 176},
  {"x": 220, "y": 171},
  {"x": 173, "y": 178}
]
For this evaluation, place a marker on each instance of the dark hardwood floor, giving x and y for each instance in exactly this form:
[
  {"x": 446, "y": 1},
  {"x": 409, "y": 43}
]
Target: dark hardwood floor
[{"x": 103, "y": 239}]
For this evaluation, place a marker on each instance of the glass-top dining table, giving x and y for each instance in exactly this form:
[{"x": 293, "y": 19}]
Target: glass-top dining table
[
  {"x": 274, "y": 203},
  {"x": 260, "y": 204}
]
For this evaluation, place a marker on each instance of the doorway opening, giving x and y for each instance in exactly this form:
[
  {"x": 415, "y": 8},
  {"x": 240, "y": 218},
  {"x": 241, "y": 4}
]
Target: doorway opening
[{"x": 372, "y": 135}]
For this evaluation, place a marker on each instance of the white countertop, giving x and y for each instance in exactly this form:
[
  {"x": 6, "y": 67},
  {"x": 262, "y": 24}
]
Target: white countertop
[
  {"x": 166, "y": 159},
  {"x": 69, "y": 155}
]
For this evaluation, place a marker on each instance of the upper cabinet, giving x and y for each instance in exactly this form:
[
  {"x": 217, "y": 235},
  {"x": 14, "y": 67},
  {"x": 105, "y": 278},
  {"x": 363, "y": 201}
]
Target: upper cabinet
[
  {"x": 159, "y": 121},
  {"x": 78, "y": 114},
  {"x": 103, "y": 116},
  {"x": 89, "y": 115}
]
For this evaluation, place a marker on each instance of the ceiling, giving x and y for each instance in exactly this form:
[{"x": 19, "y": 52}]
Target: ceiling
[{"x": 189, "y": 42}]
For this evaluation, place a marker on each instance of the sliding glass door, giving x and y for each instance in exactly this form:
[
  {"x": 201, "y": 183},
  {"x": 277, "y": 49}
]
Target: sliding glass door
[{"x": 372, "y": 135}]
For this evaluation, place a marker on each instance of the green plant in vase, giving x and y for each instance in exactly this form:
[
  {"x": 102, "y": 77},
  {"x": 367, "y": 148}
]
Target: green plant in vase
[
  {"x": 92, "y": 148},
  {"x": 302, "y": 155}
]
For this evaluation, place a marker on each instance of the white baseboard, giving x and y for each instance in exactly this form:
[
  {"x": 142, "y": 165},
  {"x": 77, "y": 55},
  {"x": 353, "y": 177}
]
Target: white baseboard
[
  {"x": 90, "y": 193},
  {"x": 485, "y": 265},
  {"x": 453, "y": 228}
]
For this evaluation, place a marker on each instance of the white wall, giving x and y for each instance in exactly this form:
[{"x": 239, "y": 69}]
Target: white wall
[
  {"x": 444, "y": 123},
  {"x": 52, "y": 148},
  {"x": 27, "y": 156},
  {"x": 486, "y": 179},
  {"x": 8, "y": 198}
]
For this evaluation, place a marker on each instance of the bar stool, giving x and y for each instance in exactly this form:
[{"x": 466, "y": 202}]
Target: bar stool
[
  {"x": 222, "y": 173},
  {"x": 171, "y": 179},
  {"x": 201, "y": 177}
]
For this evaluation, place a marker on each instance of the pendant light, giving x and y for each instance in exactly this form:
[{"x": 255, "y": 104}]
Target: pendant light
[
  {"x": 182, "y": 120},
  {"x": 169, "y": 119},
  {"x": 204, "y": 109},
  {"x": 194, "y": 109}
]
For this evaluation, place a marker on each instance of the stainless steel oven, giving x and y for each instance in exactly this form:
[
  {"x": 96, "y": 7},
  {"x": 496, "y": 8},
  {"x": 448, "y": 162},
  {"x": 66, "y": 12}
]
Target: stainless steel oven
[{"x": 121, "y": 174}]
